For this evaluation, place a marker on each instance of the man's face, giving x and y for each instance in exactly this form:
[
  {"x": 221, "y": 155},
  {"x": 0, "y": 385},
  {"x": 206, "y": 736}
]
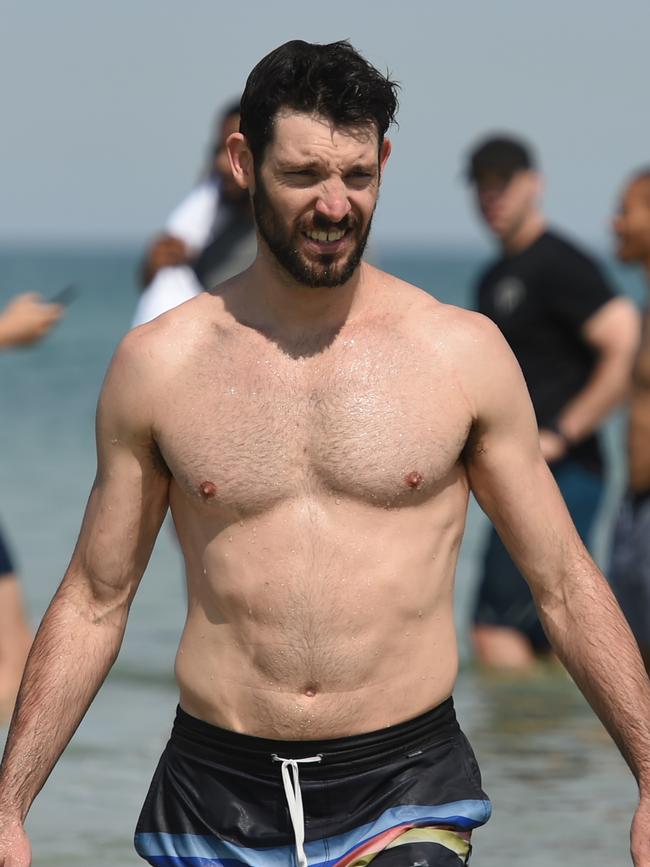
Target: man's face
[
  {"x": 230, "y": 191},
  {"x": 632, "y": 223},
  {"x": 315, "y": 194},
  {"x": 505, "y": 204}
]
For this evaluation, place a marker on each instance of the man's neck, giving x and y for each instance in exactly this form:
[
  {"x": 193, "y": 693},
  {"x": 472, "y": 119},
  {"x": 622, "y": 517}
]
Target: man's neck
[
  {"x": 526, "y": 234},
  {"x": 277, "y": 302}
]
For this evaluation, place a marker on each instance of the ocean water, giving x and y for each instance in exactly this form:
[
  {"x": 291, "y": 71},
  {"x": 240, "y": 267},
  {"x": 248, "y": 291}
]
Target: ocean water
[{"x": 560, "y": 790}]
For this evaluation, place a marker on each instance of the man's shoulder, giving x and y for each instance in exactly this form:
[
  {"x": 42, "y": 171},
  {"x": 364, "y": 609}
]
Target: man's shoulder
[
  {"x": 424, "y": 315},
  {"x": 158, "y": 341},
  {"x": 563, "y": 249}
]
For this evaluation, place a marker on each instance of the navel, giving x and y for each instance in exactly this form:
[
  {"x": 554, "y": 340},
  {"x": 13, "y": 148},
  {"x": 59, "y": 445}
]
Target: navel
[
  {"x": 414, "y": 479},
  {"x": 208, "y": 490}
]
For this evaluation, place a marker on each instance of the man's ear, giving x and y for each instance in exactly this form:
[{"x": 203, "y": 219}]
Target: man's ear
[
  {"x": 384, "y": 153},
  {"x": 241, "y": 161}
]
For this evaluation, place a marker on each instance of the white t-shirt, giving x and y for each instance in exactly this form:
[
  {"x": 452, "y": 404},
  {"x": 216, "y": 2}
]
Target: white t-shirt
[{"x": 192, "y": 222}]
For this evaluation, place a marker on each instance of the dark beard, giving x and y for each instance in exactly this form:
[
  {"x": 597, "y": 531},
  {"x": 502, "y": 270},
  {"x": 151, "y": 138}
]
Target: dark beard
[{"x": 328, "y": 271}]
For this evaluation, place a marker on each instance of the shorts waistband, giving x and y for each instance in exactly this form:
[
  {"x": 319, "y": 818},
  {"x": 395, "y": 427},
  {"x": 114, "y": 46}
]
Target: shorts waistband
[{"x": 205, "y": 740}]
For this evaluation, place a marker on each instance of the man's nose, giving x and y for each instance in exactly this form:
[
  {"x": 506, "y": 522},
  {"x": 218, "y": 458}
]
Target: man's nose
[{"x": 333, "y": 202}]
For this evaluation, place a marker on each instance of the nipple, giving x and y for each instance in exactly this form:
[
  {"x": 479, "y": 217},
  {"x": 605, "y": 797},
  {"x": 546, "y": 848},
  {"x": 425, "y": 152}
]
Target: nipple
[
  {"x": 310, "y": 692},
  {"x": 208, "y": 490},
  {"x": 414, "y": 479}
]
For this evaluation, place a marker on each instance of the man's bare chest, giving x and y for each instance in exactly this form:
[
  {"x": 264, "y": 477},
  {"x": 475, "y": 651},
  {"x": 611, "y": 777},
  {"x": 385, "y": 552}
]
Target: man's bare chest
[{"x": 246, "y": 433}]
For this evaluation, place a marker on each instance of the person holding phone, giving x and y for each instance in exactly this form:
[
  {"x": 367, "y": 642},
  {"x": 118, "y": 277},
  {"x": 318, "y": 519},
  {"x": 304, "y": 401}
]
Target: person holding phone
[{"x": 27, "y": 318}]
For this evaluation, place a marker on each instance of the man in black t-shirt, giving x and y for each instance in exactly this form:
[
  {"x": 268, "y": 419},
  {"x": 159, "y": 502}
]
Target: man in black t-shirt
[{"x": 575, "y": 342}]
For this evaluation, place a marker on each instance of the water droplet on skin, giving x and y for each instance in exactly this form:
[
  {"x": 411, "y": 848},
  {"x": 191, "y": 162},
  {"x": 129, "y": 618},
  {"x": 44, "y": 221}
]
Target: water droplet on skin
[
  {"x": 230, "y": 538},
  {"x": 420, "y": 614},
  {"x": 114, "y": 441},
  {"x": 250, "y": 610},
  {"x": 337, "y": 501}
]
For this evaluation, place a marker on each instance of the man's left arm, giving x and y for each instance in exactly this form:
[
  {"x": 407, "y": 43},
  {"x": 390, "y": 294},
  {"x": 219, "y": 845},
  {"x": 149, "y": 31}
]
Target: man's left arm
[
  {"x": 612, "y": 332},
  {"x": 514, "y": 486}
]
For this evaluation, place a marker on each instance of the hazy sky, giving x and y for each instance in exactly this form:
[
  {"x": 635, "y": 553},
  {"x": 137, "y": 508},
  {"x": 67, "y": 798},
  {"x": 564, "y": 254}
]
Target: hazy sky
[{"x": 107, "y": 107}]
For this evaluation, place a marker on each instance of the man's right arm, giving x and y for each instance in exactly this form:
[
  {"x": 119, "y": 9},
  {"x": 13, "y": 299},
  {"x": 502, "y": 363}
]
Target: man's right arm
[{"x": 81, "y": 632}]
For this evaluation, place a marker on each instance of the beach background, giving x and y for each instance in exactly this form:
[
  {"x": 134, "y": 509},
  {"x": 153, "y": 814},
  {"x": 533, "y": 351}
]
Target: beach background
[
  {"x": 107, "y": 113},
  {"x": 560, "y": 790}
]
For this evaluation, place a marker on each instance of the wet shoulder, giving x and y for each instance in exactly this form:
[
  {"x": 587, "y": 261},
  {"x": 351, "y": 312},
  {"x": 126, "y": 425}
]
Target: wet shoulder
[
  {"x": 422, "y": 315},
  {"x": 170, "y": 339}
]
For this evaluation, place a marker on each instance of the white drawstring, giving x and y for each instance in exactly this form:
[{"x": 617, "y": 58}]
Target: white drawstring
[{"x": 291, "y": 782}]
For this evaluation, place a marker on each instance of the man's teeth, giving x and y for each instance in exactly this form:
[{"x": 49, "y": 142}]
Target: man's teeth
[{"x": 330, "y": 235}]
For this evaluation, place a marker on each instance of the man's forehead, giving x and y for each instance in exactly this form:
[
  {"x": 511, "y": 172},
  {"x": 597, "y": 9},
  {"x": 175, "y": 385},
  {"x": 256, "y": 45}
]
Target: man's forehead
[{"x": 310, "y": 135}]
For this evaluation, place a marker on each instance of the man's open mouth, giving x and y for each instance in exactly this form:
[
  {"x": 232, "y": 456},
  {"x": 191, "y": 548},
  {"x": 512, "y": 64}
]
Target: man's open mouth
[{"x": 325, "y": 235}]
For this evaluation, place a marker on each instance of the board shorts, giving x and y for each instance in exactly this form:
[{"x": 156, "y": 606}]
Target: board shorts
[
  {"x": 503, "y": 597},
  {"x": 405, "y": 795},
  {"x": 6, "y": 563},
  {"x": 629, "y": 570}
]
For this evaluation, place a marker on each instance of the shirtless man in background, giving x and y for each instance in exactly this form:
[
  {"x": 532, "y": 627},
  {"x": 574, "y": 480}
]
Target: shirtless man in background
[
  {"x": 316, "y": 426},
  {"x": 630, "y": 562}
]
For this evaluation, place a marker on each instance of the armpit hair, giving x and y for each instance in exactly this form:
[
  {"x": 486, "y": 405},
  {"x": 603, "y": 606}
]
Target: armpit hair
[
  {"x": 157, "y": 461},
  {"x": 474, "y": 445}
]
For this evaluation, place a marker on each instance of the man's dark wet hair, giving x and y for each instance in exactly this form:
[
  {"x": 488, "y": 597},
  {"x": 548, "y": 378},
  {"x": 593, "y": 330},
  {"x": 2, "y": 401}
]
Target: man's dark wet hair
[
  {"x": 499, "y": 156},
  {"x": 333, "y": 80}
]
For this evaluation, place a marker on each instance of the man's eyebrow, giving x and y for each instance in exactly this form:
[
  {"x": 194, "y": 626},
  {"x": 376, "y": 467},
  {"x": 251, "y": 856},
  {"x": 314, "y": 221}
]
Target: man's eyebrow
[
  {"x": 363, "y": 166},
  {"x": 298, "y": 165}
]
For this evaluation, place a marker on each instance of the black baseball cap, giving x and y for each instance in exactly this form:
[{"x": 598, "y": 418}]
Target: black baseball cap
[{"x": 499, "y": 156}]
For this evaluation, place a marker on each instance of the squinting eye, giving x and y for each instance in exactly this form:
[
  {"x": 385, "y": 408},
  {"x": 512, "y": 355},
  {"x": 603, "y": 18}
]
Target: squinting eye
[{"x": 360, "y": 177}]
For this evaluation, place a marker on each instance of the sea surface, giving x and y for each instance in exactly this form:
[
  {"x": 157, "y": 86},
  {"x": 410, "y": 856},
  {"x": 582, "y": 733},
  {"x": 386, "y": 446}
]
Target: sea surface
[{"x": 561, "y": 792}]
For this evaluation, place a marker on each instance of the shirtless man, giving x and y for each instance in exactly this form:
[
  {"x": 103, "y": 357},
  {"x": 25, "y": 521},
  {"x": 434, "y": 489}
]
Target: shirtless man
[
  {"x": 630, "y": 562},
  {"x": 316, "y": 426}
]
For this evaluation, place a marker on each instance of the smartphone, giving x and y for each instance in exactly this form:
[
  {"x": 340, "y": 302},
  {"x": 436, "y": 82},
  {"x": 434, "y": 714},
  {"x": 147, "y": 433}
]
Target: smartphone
[{"x": 64, "y": 296}]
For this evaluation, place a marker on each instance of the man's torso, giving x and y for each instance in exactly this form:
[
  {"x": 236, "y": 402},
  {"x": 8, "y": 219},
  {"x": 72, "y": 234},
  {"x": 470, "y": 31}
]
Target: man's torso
[{"x": 319, "y": 496}]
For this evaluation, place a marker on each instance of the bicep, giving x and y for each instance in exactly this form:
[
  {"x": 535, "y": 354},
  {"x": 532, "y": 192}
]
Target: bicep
[
  {"x": 613, "y": 328},
  {"x": 128, "y": 500},
  {"x": 507, "y": 472}
]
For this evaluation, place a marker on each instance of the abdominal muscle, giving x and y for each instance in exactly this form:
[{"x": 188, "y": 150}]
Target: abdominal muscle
[{"x": 319, "y": 619}]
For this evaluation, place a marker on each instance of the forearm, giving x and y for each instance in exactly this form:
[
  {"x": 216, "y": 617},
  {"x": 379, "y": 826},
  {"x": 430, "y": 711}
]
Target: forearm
[
  {"x": 591, "y": 637},
  {"x": 74, "y": 649},
  {"x": 605, "y": 389}
]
